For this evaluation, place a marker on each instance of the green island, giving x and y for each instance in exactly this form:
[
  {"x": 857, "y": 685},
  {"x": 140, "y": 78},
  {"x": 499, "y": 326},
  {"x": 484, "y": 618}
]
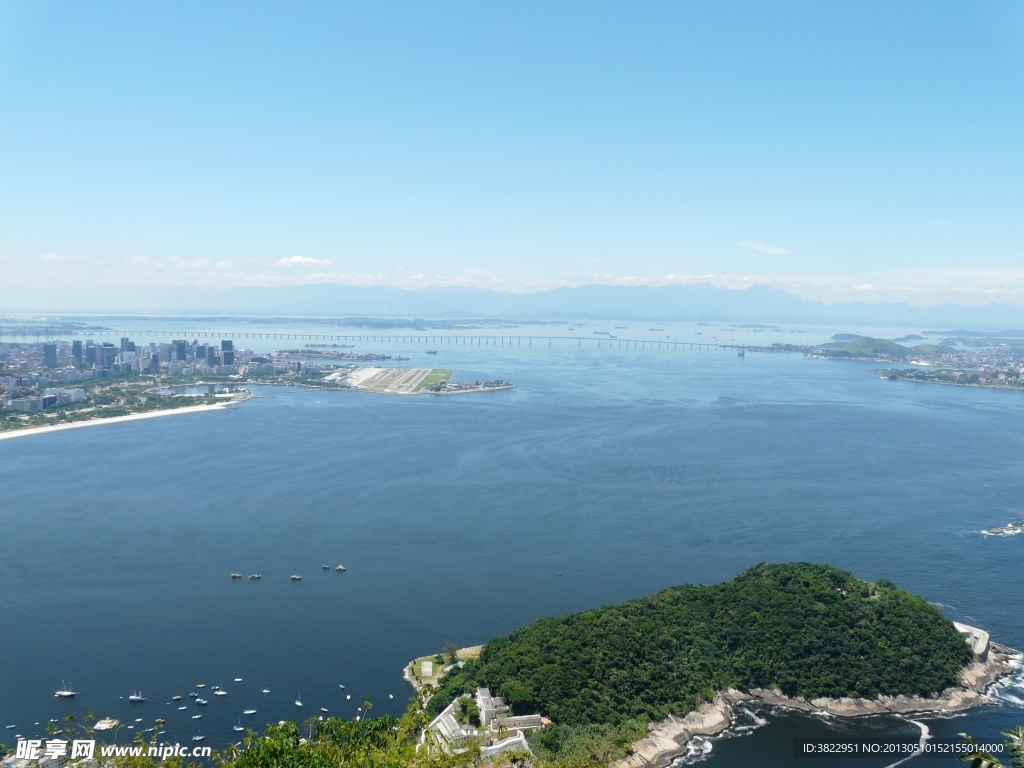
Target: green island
[
  {"x": 808, "y": 630},
  {"x": 802, "y": 631}
]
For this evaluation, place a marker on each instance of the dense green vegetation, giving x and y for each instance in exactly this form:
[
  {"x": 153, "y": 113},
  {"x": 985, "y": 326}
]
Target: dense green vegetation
[
  {"x": 809, "y": 630},
  {"x": 869, "y": 347}
]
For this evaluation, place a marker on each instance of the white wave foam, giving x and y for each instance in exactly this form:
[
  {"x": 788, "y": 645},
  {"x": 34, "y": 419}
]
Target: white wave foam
[
  {"x": 925, "y": 736},
  {"x": 744, "y": 722},
  {"x": 1015, "y": 682}
]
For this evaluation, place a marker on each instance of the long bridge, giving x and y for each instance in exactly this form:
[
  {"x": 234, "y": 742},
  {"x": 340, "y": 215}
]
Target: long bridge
[{"x": 436, "y": 340}]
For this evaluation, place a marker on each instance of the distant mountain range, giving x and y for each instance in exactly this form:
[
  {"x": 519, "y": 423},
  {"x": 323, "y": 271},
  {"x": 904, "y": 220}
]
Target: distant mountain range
[{"x": 759, "y": 304}]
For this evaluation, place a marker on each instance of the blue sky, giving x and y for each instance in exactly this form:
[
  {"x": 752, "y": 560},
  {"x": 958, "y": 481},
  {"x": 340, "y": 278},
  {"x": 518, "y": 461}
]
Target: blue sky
[{"x": 838, "y": 150}]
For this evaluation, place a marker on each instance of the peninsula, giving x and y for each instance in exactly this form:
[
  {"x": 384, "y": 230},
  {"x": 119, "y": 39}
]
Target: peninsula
[
  {"x": 54, "y": 384},
  {"x": 658, "y": 670}
]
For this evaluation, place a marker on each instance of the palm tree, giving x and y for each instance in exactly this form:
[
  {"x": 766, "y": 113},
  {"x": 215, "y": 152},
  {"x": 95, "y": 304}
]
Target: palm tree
[
  {"x": 1015, "y": 741},
  {"x": 979, "y": 758}
]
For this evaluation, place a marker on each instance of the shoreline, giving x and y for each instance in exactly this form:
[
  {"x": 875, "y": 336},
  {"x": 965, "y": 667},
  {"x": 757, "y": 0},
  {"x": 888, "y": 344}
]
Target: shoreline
[
  {"x": 29, "y": 431},
  {"x": 668, "y": 738},
  {"x": 1002, "y": 387}
]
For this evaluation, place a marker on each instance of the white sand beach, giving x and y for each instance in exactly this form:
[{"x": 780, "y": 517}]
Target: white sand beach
[{"x": 112, "y": 420}]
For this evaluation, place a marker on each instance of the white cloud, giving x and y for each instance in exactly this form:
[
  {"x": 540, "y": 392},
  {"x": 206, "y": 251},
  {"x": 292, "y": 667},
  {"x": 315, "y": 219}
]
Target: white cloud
[
  {"x": 301, "y": 261},
  {"x": 771, "y": 250}
]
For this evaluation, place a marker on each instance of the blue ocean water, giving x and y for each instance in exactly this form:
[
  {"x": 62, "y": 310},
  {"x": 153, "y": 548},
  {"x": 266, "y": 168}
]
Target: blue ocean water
[{"x": 624, "y": 470}]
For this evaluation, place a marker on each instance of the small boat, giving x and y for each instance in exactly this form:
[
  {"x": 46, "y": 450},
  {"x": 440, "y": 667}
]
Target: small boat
[
  {"x": 136, "y": 697},
  {"x": 200, "y": 685},
  {"x": 391, "y": 695},
  {"x": 323, "y": 709},
  {"x": 326, "y": 567},
  {"x": 106, "y": 724},
  {"x": 298, "y": 701},
  {"x": 181, "y": 708},
  {"x": 348, "y": 696},
  {"x": 237, "y": 728},
  {"x": 340, "y": 568},
  {"x": 296, "y": 578},
  {"x": 220, "y": 693},
  {"x": 238, "y": 679},
  {"x": 266, "y": 690},
  {"x": 341, "y": 686},
  {"x": 175, "y": 698},
  {"x": 202, "y": 702},
  {"x": 194, "y": 694},
  {"x": 256, "y": 576},
  {"x": 65, "y": 691},
  {"x": 431, "y": 351},
  {"x": 249, "y": 712},
  {"x": 138, "y": 719},
  {"x": 236, "y": 575},
  {"x": 215, "y": 688},
  {"x": 198, "y": 738},
  {"x": 196, "y": 717},
  {"x": 10, "y": 726}
]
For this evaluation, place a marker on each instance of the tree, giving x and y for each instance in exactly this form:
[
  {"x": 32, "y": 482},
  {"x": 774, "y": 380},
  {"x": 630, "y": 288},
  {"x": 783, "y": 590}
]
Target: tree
[
  {"x": 978, "y": 758},
  {"x": 451, "y": 651}
]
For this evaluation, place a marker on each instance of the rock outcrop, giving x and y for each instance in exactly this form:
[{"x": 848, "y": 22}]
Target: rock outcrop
[{"x": 667, "y": 739}]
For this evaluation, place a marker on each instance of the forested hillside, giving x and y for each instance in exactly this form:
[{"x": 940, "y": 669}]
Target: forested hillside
[{"x": 811, "y": 630}]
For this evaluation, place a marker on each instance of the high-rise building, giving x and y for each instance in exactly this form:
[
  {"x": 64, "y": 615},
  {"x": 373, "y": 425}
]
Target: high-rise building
[
  {"x": 124, "y": 343},
  {"x": 227, "y": 357},
  {"x": 90, "y": 353},
  {"x": 76, "y": 352},
  {"x": 106, "y": 355},
  {"x": 211, "y": 355},
  {"x": 50, "y": 355},
  {"x": 180, "y": 348}
]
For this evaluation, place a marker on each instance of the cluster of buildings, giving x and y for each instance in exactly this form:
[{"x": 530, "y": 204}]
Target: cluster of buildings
[
  {"x": 34, "y": 377},
  {"x": 498, "y": 730}
]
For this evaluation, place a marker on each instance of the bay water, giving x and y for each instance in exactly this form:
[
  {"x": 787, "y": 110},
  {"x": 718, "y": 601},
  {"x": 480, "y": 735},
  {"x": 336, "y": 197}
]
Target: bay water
[{"x": 609, "y": 473}]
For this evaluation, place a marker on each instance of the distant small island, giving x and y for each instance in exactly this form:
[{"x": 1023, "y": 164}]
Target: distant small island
[{"x": 806, "y": 636}]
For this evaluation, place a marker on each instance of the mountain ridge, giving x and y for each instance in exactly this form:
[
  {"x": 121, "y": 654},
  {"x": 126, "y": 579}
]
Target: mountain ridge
[{"x": 694, "y": 302}]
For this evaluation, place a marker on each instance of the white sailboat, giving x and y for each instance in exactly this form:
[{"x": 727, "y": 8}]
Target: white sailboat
[{"x": 65, "y": 691}]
